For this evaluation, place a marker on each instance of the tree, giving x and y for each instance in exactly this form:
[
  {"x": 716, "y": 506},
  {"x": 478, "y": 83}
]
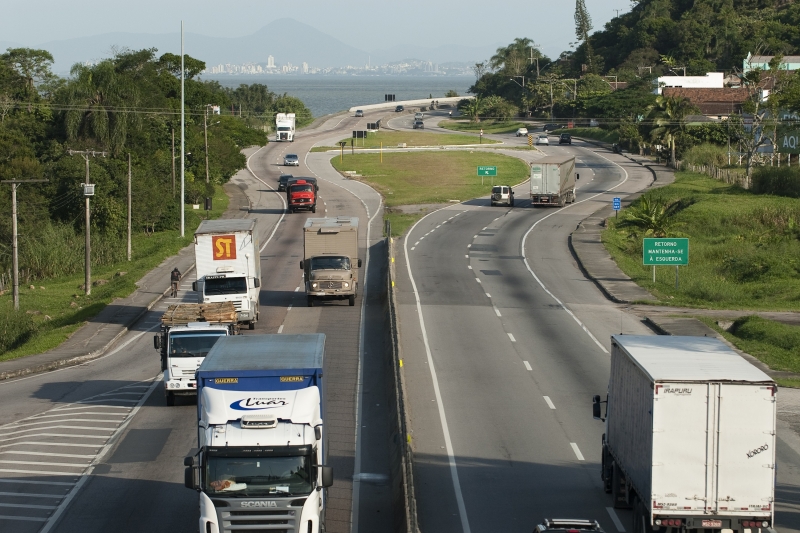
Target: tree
[
  {"x": 512, "y": 59},
  {"x": 650, "y": 217},
  {"x": 583, "y": 25},
  {"x": 479, "y": 69},
  {"x": 32, "y": 65},
  {"x": 172, "y": 63},
  {"x": 667, "y": 115},
  {"x": 473, "y": 109}
]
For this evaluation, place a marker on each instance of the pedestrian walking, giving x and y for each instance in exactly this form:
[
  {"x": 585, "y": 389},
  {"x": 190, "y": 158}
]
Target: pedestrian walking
[{"x": 175, "y": 278}]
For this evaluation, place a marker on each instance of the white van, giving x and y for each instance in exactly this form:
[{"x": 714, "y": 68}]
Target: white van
[{"x": 502, "y": 195}]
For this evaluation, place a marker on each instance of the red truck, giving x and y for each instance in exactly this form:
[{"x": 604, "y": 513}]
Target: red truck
[{"x": 302, "y": 194}]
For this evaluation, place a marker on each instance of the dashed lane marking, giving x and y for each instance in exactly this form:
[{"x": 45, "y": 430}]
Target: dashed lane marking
[
  {"x": 575, "y": 449},
  {"x": 527, "y": 365},
  {"x": 550, "y": 403},
  {"x": 511, "y": 336}
]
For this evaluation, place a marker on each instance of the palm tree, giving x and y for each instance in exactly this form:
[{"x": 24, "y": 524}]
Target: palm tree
[
  {"x": 473, "y": 109},
  {"x": 651, "y": 217},
  {"x": 512, "y": 58},
  {"x": 667, "y": 115}
]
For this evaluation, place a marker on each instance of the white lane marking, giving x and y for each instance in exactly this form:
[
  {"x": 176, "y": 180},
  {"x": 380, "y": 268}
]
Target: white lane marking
[
  {"x": 46, "y": 454},
  {"x": 289, "y": 308},
  {"x": 280, "y": 328},
  {"x": 469, "y": 246},
  {"x": 44, "y": 463},
  {"x": 511, "y": 336},
  {"x": 412, "y": 248},
  {"x": 416, "y": 243},
  {"x": 497, "y": 312},
  {"x": 468, "y": 266},
  {"x": 615, "y": 519},
  {"x": 528, "y": 266},
  {"x": 96, "y": 420},
  {"x": 70, "y": 435},
  {"x": 283, "y": 201},
  {"x": 474, "y": 236},
  {"x": 478, "y": 280},
  {"x": 40, "y": 472},
  {"x": 527, "y": 365},
  {"x": 23, "y": 518},
  {"x": 32, "y": 482},
  {"x": 28, "y": 506},
  {"x": 26, "y": 443},
  {"x": 488, "y": 295},
  {"x": 462, "y": 510},
  {"x": 296, "y": 289},
  {"x": 30, "y": 495},
  {"x": 466, "y": 256},
  {"x": 550, "y": 403},
  {"x": 575, "y": 449},
  {"x": 484, "y": 229}
]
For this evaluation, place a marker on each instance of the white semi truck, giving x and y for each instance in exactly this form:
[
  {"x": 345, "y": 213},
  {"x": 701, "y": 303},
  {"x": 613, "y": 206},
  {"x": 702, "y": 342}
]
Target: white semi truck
[
  {"x": 228, "y": 265},
  {"x": 188, "y": 331},
  {"x": 553, "y": 180},
  {"x": 330, "y": 259},
  {"x": 262, "y": 444},
  {"x": 689, "y": 441},
  {"x": 284, "y": 127}
]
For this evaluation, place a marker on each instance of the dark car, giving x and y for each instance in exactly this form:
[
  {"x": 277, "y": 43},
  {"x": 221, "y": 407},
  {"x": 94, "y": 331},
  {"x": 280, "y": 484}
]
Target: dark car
[
  {"x": 283, "y": 180},
  {"x": 564, "y": 525},
  {"x": 565, "y": 138},
  {"x": 399, "y": 108},
  {"x": 419, "y": 125},
  {"x": 551, "y": 127}
]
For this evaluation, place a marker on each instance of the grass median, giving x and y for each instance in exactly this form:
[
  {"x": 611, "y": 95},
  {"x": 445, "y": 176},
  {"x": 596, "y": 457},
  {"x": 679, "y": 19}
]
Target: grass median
[
  {"x": 54, "y": 309},
  {"x": 596, "y": 134},
  {"x": 488, "y": 126},
  {"x": 426, "y": 178},
  {"x": 393, "y": 139}
]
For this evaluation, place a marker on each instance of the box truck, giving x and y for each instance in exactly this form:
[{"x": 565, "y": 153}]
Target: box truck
[
  {"x": 260, "y": 460},
  {"x": 330, "y": 259},
  {"x": 228, "y": 265},
  {"x": 689, "y": 439},
  {"x": 553, "y": 180},
  {"x": 301, "y": 194},
  {"x": 284, "y": 127},
  {"x": 188, "y": 331}
]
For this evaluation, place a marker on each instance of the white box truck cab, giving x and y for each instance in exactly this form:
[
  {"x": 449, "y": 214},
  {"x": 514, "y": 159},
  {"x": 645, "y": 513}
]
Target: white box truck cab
[
  {"x": 228, "y": 265},
  {"x": 260, "y": 461},
  {"x": 553, "y": 180},
  {"x": 330, "y": 259},
  {"x": 689, "y": 441},
  {"x": 284, "y": 127},
  {"x": 188, "y": 331}
]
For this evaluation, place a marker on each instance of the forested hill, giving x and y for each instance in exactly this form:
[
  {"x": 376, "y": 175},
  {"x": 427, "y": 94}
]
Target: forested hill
[{"x": 702, "y": 35}]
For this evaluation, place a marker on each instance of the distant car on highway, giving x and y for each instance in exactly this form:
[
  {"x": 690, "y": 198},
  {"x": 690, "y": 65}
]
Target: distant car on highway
[
  {"x": 551, "y": 127},
  {"x": 542, "y": 139},
  {"x": 399, "y": 109},
  {"x": 521, "y": 132},
  {"x": 418, "y": 115},
  {"x": 565, "y": 138},
  {"x": 419, "y": 125},
  {"x": 291, "y": 160},
  {"x": 283, "y": 180},
  {"x": 561, "y": 525},
  {"x": 359, "y": 113}
]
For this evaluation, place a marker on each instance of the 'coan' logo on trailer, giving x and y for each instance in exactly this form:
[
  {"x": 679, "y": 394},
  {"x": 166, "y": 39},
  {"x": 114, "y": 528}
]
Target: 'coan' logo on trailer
[{"x": 255, "y": 404}]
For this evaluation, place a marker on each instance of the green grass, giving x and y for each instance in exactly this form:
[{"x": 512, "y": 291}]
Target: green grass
[
  {"x": 64, "y": 302},
  {"x": 429, "y": 178},
  {"x": 488, "y": 126},
  {"x": 744, "y": 249},
  {"x": 597, "y": 134},
  {"x": 788, "y": 383},
  {"x": 391, "y": 139}
]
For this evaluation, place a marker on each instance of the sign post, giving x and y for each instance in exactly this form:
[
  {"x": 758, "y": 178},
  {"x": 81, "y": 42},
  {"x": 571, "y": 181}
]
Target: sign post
[
  {"x": 341, "y": 155},
  {"x": 530, "y": 141},
  {"x": 481, "y": 136},
  {"x": 487, "y": 171},
  {"x": 665, "y": 251},
  {"x": 617, "y": 206}
]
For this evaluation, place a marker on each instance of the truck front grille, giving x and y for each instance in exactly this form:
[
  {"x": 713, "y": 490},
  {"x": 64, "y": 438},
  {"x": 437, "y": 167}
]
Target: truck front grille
[
  {"x": 330, "y": 284},
  {"x": 237, "y": 304},
  {"x": 188, "y": 372},
  {"x": 282, "y": 521}
]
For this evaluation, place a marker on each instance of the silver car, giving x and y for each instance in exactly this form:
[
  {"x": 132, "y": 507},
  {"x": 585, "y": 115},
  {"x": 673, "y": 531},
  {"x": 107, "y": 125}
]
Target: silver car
[{"x": 291, "y": 160}]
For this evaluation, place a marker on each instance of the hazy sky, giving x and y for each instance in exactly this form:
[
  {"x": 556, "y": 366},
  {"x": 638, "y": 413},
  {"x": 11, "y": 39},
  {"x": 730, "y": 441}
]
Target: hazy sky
[{"x": 368, "y": 25}]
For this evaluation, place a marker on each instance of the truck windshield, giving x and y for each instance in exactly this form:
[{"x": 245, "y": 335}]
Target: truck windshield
[
  {"x": 330, "y": 263},
  {"x": 192, "y": 344},
  {"x": 301, "y": 188},
  {"x": 284, "y": 128},
  {"x": 258, "y": 476},
  {"x": 225, "y": 286}
]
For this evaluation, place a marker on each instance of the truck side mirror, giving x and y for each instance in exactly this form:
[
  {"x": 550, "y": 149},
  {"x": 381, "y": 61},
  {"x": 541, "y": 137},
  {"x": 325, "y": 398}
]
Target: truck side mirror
[
  {"x": 256, "y": 283},
  {"x": 577, "y": 176},
  {"x": 194, "y": 286},
  {"x": 157, "y": 342},
  {"x": 596, "y": 414},
  {"x": 301, "y": 264},
  {"x": 359, "y": 263},
  {"x": 188, "y": 461},
  {"x": 191, "y": 477},
  {"x": 317, "y": 433},
  {"x": 327, "y": 476}
]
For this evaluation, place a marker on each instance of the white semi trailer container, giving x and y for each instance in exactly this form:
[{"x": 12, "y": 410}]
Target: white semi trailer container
[
  {"x": 553, "y": 180},
  {"x": 690, "y": 435}
]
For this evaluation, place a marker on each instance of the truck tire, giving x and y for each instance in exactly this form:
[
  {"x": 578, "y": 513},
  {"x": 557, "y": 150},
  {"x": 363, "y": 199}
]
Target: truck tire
[
  {"x": 352, "y": 300},
  {"x": 170, "y": 397},
  {"x": 606, "y": 463},
  {"x": 618, "y": 488},
  {"x": 314, "y": 208},
  {"x": 251, "y": 325},
  {"x": 311, "y": 301}
]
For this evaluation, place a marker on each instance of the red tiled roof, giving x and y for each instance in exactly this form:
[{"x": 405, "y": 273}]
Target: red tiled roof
[{"x": 712, "y": 101}]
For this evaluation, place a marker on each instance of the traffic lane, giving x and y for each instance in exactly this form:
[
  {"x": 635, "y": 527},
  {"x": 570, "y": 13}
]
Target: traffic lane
[
  {"x": 787, "y": 489},
  {"x": 480, "y": 425}
]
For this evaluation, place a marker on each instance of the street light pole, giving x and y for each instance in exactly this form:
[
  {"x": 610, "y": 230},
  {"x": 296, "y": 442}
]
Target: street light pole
[
  {"x": 205, "y": 134},
  {"x": 88, "y": 190},
  {"x": 183, "y": 143}
]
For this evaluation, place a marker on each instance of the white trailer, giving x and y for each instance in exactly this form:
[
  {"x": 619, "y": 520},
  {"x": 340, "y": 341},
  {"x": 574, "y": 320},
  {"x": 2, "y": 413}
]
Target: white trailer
[
  {"x": 284, "y": 127},
  {"x": 690, "y": 435},
  {"x": 228, "y": 265},
  {"x": 330, "y": 258},
  {"x": 553, "y": 180}
]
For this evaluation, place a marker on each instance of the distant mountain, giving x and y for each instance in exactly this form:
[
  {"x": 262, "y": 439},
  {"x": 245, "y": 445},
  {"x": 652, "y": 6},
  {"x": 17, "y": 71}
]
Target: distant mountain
[{"x": 5, "y": 45}]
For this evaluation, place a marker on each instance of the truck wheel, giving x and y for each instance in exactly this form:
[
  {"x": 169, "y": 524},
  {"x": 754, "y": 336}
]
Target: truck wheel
[
  {"x": 251, "y": 325},
  {"x": 311, "y": 301},
  {"x": 314, "y": 208},
  {"x": 352, "y": 300},
  {"x": 618, "y": 488},
  {"x": 170, "y": 399},
  {"x": 606, "y": 463}
]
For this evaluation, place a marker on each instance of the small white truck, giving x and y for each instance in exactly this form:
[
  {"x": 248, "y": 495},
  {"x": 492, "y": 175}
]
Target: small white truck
[
  {"x": 228, "y": 265},
  {"x": 689, "y": 439},
  {"x": 553, "y": 180},
  {"x": 284, "y": 127},
  {"x": 330, "y": 259},
  {"x": 188, "y": 331}
]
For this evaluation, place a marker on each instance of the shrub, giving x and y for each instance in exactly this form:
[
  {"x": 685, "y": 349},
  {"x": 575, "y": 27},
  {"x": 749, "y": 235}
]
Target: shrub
[
  {"x": 706, "y": 154},
  {"x": 780, "y": 181},
  {"x": 16, "y": 327}
]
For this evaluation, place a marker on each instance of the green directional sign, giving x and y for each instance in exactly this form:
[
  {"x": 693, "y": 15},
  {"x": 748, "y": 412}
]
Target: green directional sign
[
  {"x": 487, "y": 171},
  {"x": 788, "y": 142},
  {"x": 666, "y": 251}
]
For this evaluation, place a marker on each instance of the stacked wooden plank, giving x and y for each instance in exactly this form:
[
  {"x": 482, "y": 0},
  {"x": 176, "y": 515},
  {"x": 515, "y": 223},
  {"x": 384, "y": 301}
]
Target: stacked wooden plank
[{"x": 182, "y": 314}]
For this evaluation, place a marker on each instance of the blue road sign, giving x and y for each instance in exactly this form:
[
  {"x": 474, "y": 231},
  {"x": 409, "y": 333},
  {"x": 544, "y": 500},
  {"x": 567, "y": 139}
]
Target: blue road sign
[{"x": 617, "y": 204}]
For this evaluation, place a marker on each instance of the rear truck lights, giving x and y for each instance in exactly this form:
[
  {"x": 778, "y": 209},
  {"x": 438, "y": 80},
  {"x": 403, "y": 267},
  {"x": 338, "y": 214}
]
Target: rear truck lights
[
  {"x": 755, "y": 523},
  {"x": 669, "y": 522}
]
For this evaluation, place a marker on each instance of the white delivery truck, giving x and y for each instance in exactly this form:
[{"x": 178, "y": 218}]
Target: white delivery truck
[
  {"x": 284, "y": 127},
  {"x": 689, "y": 441},
  {"x": 262, "y": 444},
  {"x": 553, "y": 180},
  {"x": 228, "y": 265},
  {"x": 330, "y": 259},
  {"x": 188, "y": 331}
]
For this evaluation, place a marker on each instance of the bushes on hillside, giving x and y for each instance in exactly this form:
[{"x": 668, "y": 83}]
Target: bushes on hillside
[
  {"x": 706, "y": 154},
  {"x": 780, "y": 181}
]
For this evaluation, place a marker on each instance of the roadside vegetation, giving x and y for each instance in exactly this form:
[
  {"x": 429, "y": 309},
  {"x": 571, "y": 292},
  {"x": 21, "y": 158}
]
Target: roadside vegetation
[
  {"x": 52, "y": 309},
  {"x": 488, "y": 126},
  {"x": 597, "y": 134},
  {"x": 391, "y": 139},
  {"x": 744, "y": 247},
  {"x": 428, "y": 178}
]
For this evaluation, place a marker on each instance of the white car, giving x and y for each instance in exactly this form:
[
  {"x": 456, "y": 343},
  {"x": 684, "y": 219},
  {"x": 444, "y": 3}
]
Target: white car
[
  {"x": 542, "y": 139},
  {"x": 418, "y": 116},
  {"x": 521, "y": 132}
]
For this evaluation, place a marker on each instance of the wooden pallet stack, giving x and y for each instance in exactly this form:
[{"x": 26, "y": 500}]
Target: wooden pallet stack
[{"x": 182, "y": 314}]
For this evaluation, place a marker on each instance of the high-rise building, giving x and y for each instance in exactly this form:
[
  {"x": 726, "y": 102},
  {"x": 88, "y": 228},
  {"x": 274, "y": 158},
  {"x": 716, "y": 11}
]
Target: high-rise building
[
  {"x": 270, "y": 62},
  {"x": 305, "y": 67}
]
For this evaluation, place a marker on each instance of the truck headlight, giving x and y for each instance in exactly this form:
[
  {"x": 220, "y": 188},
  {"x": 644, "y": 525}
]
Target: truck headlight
[
  {"x": 314, "y": 285},
  {"x": 346, "y": 285}
]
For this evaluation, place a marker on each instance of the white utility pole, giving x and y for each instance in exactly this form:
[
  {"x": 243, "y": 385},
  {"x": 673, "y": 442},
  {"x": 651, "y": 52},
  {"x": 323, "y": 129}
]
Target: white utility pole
[
  {"x": 183, "y": 143},
  {"x": 129, "y": 207},
  {"x": 88, "y": 190}
]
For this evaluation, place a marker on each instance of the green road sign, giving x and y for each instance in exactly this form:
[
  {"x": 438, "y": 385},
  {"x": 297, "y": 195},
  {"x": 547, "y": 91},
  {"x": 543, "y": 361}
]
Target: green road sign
[
  {"x": 666, "y": 251},
  {"x": 487, "y": 171},
  {"x": 789, "y": 142}
]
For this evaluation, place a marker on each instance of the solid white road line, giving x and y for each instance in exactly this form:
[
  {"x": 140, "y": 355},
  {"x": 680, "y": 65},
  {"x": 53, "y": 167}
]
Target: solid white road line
[
  {"x": 575, "y": 449},
  {"x": 41, "y": 473},
  {"x": 289, "y": 308},
  {"x": 42, "y": 463},
  {"x": 69, "y": 435},
  {"x": 614, "y": 518},
  {"x": 412, "y": 248},
  {"x": 462, "y": 510},
  {"x": 510, "y": 336},
  {"x": 27, "y": 506},
  {"x": 96, "y": 420},
  {"x": 527, "y": 365},
  {"x": 550, "y": 403},
  {"x": 23, "y": 518},
  {"x": 488, "y": 295},
  {"x": 25, "y": 443},
  {"x": 30, "y": 495},
  {"x": 32, "y": 482},
  {"x": 48, "y": 454}
]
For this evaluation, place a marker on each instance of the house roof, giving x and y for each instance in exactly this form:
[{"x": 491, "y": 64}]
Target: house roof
[
  {"x": 712, "y": 101},
  {"x": 767, "y": 59}
]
